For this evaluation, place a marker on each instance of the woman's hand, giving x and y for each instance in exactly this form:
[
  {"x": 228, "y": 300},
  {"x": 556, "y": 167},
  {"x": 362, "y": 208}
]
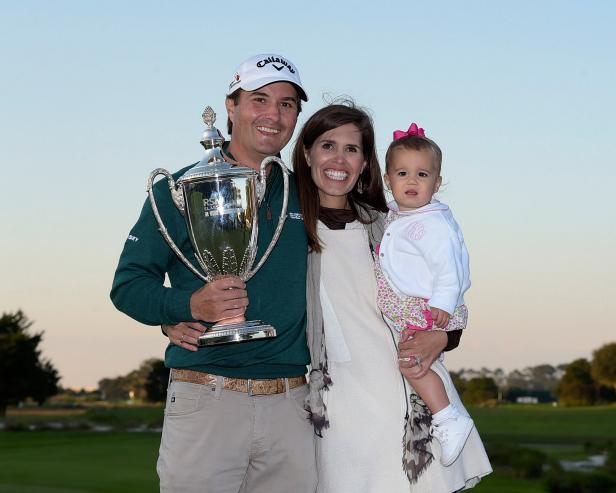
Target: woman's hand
[
  {"x": 184, "y": 334},
  {"x": 417, "y": 350}
]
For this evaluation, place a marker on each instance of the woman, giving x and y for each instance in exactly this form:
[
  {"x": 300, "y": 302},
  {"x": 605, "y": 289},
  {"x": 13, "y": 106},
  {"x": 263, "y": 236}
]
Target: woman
[{"x": 356, "y": 384}]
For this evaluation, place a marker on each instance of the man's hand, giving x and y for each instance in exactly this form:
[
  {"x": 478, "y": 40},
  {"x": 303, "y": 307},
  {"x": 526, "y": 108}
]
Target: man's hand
[
  {"x": 440, "y": 318},
  {"x": 222, "y": 298},
  {"x": 184, "y": 334},
  {"x": 422, "y": 346}
]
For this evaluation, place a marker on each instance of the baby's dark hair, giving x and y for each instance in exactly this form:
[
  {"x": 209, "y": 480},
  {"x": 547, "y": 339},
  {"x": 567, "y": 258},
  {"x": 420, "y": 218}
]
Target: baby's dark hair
[{"x": 415, "y": 143}]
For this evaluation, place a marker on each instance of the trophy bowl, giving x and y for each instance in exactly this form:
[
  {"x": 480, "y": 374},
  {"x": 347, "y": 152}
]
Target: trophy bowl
[{"x": 220, "y": 203}]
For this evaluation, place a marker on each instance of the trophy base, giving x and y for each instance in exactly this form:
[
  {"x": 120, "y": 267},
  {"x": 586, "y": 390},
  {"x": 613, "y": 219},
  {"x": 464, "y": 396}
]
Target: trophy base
[{"x": 239, "y": 332}]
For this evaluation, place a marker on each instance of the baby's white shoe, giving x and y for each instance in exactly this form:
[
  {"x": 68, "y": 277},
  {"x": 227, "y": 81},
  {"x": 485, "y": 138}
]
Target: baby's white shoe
[{"x": 452, "y": 433}]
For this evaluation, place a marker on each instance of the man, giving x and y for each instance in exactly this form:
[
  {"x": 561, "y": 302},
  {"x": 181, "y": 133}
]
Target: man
[{"x": 234, "y": 419}]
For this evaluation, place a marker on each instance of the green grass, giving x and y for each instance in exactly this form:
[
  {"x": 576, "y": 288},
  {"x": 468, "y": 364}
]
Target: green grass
[
  {"x": 59, "y": 462},
  {"x": 127, "y": 417},
  {"x": 86, "y": 462},
  {"x": 562, "y": 451},
  {"x": 89, "y": 462},
  {"x": 544, "y": 424},
  {"x": 501, "y": 483},
  {"x": 119, "y": 418}
]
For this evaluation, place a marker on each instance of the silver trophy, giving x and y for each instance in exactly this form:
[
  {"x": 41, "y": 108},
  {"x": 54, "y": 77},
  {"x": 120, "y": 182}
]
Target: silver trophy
[{"x": 220, "y": 203}]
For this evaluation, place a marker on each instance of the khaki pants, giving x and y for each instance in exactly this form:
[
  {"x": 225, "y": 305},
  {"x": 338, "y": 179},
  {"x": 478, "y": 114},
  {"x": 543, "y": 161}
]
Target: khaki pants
[{"x": 220, "y": 441}]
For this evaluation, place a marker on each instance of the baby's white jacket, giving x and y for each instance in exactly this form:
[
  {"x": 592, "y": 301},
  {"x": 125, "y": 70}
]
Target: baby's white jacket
[{"x": 423, "y": 254}]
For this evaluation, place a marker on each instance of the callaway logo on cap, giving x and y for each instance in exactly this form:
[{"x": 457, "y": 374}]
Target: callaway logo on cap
[{"x": 260, "y": 70}]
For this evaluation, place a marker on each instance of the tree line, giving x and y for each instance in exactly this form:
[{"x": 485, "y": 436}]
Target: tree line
[
  {"x": 24, "y": 373},
  {"x": 579, "y": 383}
]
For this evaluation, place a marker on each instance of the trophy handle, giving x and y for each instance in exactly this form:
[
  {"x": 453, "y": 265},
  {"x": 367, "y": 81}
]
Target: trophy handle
[
  {"x": 178, "y": 200},
  {"x": 283, "y": 212}
]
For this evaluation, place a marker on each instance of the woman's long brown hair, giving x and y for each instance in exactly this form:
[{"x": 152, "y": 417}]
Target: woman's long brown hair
[{"x": 371, "y": 195}]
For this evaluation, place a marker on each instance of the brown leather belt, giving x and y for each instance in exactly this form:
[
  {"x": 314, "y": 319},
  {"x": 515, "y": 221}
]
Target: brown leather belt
[{"x": 246, "y": 385}]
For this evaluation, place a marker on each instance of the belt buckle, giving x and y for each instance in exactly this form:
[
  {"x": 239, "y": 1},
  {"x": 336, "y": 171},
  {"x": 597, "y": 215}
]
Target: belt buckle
[{"x": 274, "y": 386}]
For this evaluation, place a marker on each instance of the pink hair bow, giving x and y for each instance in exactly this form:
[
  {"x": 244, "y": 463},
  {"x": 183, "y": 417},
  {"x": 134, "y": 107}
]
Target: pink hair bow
[{"x": 413, "y": 130}]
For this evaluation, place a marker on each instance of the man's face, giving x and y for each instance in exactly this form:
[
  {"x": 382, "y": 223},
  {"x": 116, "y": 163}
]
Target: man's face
[{"x": 263, "y": 120}]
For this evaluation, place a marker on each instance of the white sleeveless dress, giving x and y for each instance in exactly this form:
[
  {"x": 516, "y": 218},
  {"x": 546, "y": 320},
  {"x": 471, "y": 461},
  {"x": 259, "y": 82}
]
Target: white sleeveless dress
[{"x": 362, "y": 450}]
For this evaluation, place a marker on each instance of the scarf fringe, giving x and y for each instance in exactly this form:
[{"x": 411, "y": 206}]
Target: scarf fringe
[
  {"x": 416, "y": 440},
  {"x": 320, "y": 381}
]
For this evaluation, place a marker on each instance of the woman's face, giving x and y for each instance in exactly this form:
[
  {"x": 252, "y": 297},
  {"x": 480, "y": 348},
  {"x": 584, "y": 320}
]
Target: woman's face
[{"x": 336, "y": 160}]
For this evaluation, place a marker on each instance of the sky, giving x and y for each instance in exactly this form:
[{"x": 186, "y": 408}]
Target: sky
[{"x": 519, "y": 95}]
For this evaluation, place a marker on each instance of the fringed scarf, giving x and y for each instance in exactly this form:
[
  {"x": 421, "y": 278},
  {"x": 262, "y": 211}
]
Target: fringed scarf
[{"x": 416, "y": 441}]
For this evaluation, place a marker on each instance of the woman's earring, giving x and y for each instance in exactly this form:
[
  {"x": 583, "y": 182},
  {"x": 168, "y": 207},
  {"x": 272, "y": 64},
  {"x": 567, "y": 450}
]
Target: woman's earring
[{"x": 360, "y": 186}]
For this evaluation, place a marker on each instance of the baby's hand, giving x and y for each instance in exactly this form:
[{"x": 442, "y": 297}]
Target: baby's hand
[{"x": 440, "y": 318}]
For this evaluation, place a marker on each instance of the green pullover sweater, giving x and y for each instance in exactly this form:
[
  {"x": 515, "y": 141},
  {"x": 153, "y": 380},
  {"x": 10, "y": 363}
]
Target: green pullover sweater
[{"x": 276, "y": 293}]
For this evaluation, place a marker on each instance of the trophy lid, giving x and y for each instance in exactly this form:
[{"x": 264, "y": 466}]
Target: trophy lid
[
  {"x": 213, "y": 163},
  {"x": 212, "y": 138}
]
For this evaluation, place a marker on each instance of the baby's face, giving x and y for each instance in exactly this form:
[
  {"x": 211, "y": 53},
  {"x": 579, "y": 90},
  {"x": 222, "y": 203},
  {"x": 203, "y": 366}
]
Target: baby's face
[{"x": 412, "y": 178}]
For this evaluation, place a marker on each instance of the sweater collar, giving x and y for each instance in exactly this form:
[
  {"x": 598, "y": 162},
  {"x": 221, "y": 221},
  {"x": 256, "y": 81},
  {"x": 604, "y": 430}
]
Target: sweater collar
[{"x": 433, "y": 206}]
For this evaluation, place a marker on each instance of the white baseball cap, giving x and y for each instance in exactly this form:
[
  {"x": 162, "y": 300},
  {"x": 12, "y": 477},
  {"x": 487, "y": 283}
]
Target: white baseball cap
[{"x": 260, "y": 70}]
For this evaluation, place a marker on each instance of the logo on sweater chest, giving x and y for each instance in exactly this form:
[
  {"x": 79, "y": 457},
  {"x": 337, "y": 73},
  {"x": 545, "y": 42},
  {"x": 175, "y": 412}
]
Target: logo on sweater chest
[{"x": 417, "y": 231}]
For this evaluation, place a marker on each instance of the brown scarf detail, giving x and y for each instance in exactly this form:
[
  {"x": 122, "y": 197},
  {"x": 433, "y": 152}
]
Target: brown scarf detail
[{"x": 336, "y": 218}]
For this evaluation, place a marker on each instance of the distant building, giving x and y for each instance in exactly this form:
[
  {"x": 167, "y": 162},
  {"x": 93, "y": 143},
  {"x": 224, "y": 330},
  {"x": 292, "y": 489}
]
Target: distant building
[{"x": 527, "y": 399}]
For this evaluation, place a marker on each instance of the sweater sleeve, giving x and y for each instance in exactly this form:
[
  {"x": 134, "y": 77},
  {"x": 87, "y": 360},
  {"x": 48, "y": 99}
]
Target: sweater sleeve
[
  {"x": 440, "y": 249},
  {"x": 138, "y": 286},
  {"x": 453, "y": 339}
]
